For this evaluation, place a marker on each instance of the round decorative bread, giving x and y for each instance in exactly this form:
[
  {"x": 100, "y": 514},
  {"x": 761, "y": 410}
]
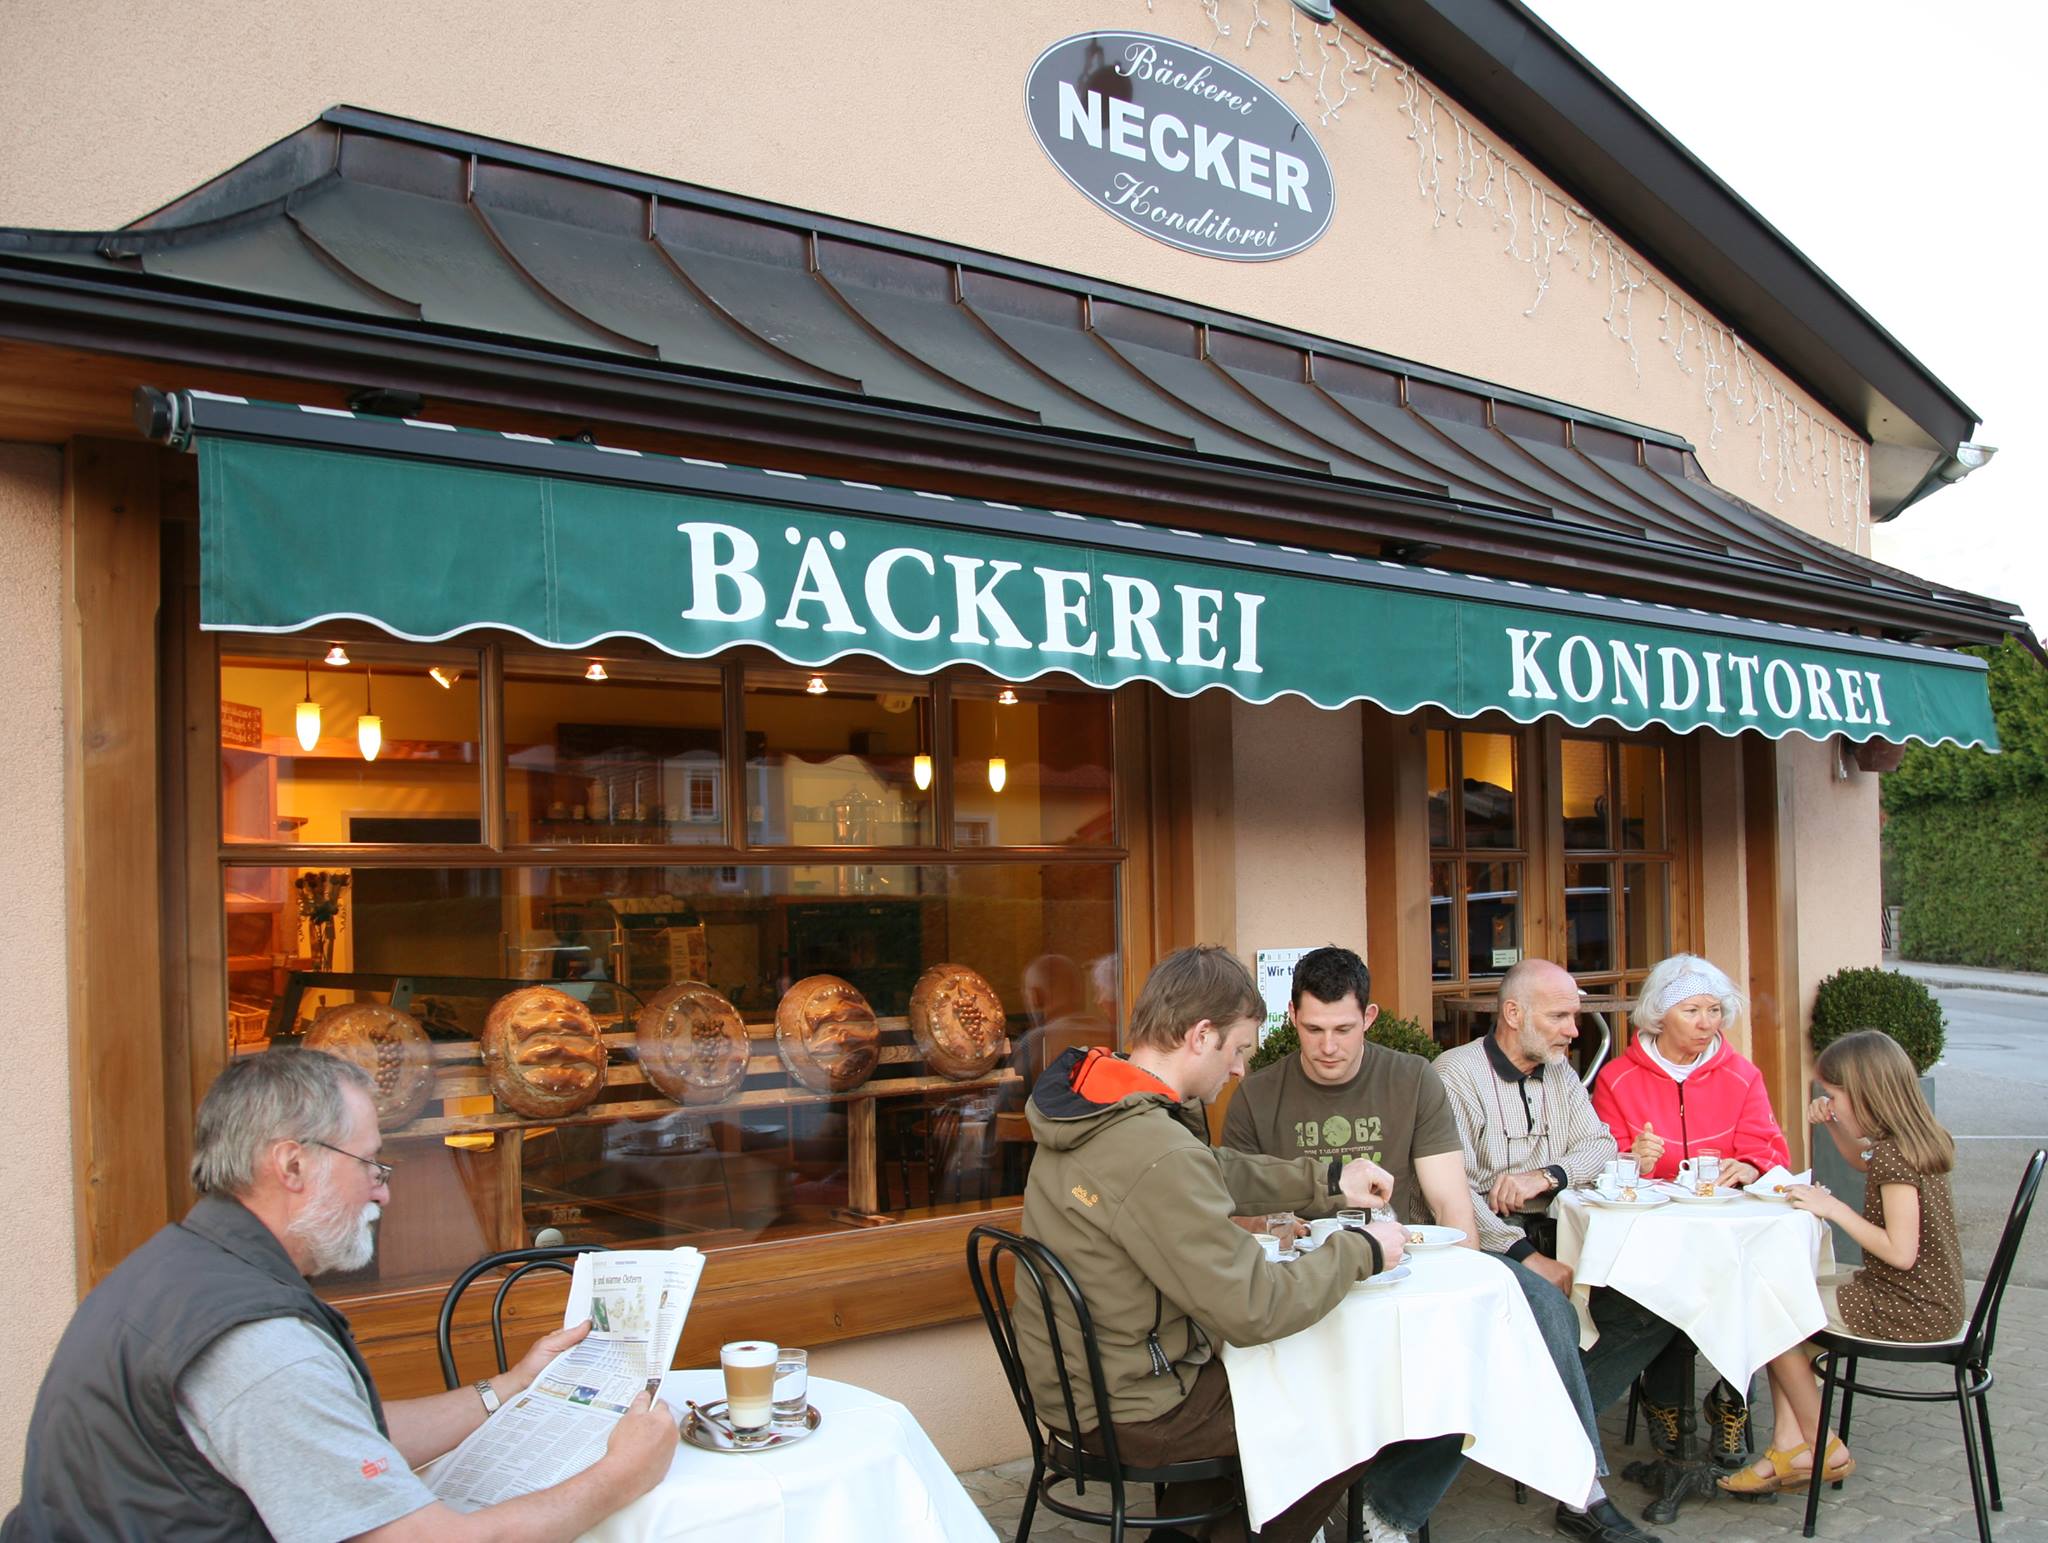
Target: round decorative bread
[
  {"x": 543, "y": 1053},
  {"x": 693, "y": 1046},
  {"x": 957, "y": 1020},
  {"x": 390, "y": 1045},
  {"x": 826, "y": 1034}
]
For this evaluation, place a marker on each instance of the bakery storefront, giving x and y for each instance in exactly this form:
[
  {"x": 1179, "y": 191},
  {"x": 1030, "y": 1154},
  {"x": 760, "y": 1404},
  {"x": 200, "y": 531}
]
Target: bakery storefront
[{"x": 706, "y": 697}]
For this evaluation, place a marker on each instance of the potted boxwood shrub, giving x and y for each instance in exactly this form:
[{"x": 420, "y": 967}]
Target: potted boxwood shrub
[
  {"x": 1395, "y": 1033},
  {"x": 1905, "y": 1009}
]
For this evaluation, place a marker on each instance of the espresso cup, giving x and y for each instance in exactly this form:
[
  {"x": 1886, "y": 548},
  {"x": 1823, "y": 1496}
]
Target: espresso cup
[
  {"x": 1270, "y": 1247},
  {"x": 1320, "y": 1229},
  {"x": 749, "y": 1366}
]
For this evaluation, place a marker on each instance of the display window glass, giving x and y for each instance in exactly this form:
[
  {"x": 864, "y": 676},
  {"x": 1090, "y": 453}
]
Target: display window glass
[
  {"x": 1031, "y": 766},
  {"x": 838, "y": 758},
  {"x": 1476, "y": 907}
]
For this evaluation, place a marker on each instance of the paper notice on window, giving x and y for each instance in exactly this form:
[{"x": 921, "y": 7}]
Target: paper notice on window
[{"x": 636, "y": 1303}]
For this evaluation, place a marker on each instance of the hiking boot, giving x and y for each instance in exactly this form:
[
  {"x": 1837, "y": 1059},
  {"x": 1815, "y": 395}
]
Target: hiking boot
[
  {"x": 1667, "y": 1425},
  {"x": 1727, "y": 1426}
]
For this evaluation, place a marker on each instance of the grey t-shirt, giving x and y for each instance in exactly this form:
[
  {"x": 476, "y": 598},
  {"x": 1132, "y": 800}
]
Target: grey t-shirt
[{"x": 278, "y": 1409}]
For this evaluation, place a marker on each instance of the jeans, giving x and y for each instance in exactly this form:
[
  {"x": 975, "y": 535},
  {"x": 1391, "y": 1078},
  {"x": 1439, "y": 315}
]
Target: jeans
[
  {"x": 1664, "y": 1377},
  {"x": 1405, "y": 1479},
  {"x": 1558, "y": 1321},
  {"x": 1631, "y": 1339}
]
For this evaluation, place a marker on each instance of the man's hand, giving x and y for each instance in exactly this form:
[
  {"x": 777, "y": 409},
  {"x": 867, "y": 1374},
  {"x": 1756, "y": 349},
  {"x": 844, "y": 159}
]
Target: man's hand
[
  {"x": 642, "y": 1445},
  {"x": 542, "y": 1351},
  {"x": 1365, "y": 1184},
  {"x": 1512, "y": 1191},
  {"x": 1648, "y": 1150},
  {"x": 1735, "y": 1172},
  {"x": 1393, "y": 1238},
  {"x": 1557, "y": 1274}
]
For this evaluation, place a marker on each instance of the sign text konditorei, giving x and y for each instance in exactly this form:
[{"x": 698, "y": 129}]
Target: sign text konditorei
[{"x": 1180, "y": 144}]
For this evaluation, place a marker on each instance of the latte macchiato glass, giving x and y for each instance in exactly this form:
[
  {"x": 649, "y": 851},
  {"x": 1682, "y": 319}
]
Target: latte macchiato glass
[{"x": 749, "y": 1366}]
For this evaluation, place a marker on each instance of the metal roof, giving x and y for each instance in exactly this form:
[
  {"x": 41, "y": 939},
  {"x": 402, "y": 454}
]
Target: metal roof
[{"x": 451, "y": 241}]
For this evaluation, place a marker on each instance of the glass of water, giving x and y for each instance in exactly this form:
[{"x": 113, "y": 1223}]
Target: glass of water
[{"x": 792, "y": 1385}]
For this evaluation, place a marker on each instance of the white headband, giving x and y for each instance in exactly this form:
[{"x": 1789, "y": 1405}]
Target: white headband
[{"x": 1693, "y": 983}]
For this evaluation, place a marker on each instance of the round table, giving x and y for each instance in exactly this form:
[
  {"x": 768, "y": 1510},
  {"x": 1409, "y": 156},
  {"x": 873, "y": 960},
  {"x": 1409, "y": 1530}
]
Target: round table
[
  {"x": 1451, "y": 1349},
  {"x": 869, "y": 1475}
]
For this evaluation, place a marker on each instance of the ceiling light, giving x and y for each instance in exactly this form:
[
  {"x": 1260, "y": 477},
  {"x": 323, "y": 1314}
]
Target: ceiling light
[
  {"x": 921, "y": 771},
  {"x": 1007, "y": 697},
  {"x": 443, "y": 677},
  {"x": 308, "y": 716},
  {"x": 595, "y": 672},
  {"x": 816, "y": 685},
  {"x": 369, "y": 727},
  {"x": 998, "y": 773},
  {"x": 337, "y": 656}
]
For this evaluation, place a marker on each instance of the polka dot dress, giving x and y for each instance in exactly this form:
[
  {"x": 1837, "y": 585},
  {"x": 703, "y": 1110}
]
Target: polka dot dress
[{"x": 1925, "y": 1302}]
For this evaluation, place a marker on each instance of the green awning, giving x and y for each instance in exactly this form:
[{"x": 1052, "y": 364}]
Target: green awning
[{"x": 310, "y": 516}]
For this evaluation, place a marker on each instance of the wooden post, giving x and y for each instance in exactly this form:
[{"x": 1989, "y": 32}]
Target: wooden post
[
  {"x": 508, "y": 1164},
  {"x": 112, "y": 900},
  {"x": 1776, "y": 1005},
  {"x": 1396, "y": 760},
  {"x": 862, "y": 1191}
]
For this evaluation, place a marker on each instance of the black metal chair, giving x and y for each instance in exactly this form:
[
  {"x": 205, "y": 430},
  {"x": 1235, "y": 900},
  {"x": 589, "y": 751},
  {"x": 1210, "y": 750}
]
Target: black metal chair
[
  {"x": 1054, "y": 1453},
  {"x": 1968, "y": 1356},
  {"x": 517, "y": 1263}
]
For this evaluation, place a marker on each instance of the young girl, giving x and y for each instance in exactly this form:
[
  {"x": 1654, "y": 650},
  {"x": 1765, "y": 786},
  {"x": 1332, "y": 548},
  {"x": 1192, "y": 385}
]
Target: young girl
[{"x": 1911, "y": 1283}]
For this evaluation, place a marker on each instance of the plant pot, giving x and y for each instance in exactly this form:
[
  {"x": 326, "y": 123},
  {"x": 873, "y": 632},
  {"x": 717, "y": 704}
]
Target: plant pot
[{"x": 1832, "y": 1169}]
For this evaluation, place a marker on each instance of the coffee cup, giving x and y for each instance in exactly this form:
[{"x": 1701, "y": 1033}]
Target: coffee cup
[
  {"x": 1321, "y": 1228},
  {"x": 749, "y": 1367},
  {"x": 1270, "y": 1247}
]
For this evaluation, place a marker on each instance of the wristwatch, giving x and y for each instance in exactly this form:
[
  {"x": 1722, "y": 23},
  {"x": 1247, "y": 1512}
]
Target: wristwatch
[{"x": 488, "y": 1394}]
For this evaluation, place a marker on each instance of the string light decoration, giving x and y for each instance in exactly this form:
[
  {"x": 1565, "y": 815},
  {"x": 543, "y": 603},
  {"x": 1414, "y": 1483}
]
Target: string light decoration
[{"x": 1459, "y": 169}]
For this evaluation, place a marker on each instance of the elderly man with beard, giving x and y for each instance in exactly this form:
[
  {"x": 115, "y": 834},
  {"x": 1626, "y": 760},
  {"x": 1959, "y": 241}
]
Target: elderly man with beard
[{"x": 204, "y": 1391}]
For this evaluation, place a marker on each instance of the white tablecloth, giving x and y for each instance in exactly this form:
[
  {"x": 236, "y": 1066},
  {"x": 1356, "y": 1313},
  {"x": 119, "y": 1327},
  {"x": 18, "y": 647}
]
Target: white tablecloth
[
  {"x": 1740, "y": 1278},
  {"x": 868, "y": 1473},
  {"x": 1453, "y": 1348}
]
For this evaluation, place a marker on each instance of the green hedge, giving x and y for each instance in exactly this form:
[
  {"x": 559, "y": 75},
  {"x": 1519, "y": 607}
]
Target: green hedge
[
  {"x": 1970, "y": 877},
  {"x": 1395, "y": 1033}
]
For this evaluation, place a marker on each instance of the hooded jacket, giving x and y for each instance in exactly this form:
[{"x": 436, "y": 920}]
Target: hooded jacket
[
  {"x": 1127, "y": 1191},
  {"x": 1721, "y": 1107}
]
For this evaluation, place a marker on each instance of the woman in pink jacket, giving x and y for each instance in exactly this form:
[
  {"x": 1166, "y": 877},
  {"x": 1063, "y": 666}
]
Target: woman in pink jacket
[{"x": 1681, "y": 1089}]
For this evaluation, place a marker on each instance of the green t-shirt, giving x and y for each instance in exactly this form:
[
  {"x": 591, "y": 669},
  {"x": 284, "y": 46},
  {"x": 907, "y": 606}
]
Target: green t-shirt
[{"x": 1393, "y": 1111}]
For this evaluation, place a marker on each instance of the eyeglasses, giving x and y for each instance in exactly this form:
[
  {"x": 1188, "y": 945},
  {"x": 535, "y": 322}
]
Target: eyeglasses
[{"x": 381, "y": 1172}]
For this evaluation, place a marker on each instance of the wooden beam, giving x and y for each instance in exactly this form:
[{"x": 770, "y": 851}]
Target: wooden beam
[
  {"x": 112, "y": 828},
  {"x": 1776, "y": 1003},
  {"x": 1396, "y": 757}
]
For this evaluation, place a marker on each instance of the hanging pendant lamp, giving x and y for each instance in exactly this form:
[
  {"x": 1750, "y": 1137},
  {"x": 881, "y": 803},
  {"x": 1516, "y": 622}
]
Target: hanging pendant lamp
[
  {"x": 308, "y": 716},
  {"x": 369, "y": 727}
]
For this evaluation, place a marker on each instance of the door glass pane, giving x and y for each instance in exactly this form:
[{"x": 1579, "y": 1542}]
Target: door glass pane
[
  {"x": 1439, "y": 788},
  {"x": 296, "y": 772},
  {"x": 1493, "y": 917},
  {"x": 1646, "y": 912},
  {"x": 834, "y": 758},
  {"x": 636, "y": 755},
  {"x": 1585, "y": 794},
  {"x": 1588, "y": 933},
  {"x": 1642, "y": 798},
  {"x": 1053, "y": 747},
  {"x": 1490, "y": 815},
  {"x": 1443, "y": 943}
]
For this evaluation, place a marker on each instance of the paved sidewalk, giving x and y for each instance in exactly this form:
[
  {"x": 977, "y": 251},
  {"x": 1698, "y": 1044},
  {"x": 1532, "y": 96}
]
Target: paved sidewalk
[
  {"x": 1969, "y": 977},
  {"x": 1911, "y": 1484}
]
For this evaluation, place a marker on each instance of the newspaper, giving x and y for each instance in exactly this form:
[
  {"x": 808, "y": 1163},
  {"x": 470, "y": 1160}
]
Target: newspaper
[{"x": 636, "y": 1303}]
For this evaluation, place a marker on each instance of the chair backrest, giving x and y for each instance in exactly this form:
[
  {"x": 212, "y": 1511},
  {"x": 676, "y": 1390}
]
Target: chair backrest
[
  {"x": 1050, "y": 1283},
  {"x": 1984, "y": 1321},
  {"x": 517, "y": 1263}
]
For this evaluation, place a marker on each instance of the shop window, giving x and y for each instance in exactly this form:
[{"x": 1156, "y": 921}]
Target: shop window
[
  {"x": 772, "y": 1158},
  {"x": 1612, "y": 799},
  {"x": 1031, "y": 766},
  {"x": 610, "y": 751},
  {"x": 1476, "y": 906},
  {"x": 838, "y": 758}
]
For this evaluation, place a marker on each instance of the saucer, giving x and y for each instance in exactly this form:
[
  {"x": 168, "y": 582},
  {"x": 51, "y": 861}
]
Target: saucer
[
  {"x": 1393, "y": 1277},
  {"x": 1642, "y": 1202},
  {"x": 701, "y": 1432}
]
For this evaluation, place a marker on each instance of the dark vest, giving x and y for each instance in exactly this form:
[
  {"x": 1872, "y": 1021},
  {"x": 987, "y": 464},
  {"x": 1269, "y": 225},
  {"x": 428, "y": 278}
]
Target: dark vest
[{"x": 108, "y": 1457}]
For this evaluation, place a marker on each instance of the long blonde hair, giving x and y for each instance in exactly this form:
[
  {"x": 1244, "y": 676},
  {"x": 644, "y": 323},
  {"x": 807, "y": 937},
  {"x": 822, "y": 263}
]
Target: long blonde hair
[{"x": 1879, "y": 1078}]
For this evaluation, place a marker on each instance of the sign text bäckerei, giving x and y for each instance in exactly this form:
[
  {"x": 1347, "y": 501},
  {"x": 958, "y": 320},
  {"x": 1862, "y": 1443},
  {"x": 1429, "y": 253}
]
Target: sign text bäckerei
[{"x": 1180, "y": 144}]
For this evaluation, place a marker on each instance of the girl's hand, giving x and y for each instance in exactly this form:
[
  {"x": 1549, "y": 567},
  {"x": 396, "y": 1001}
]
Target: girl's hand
[
  {"x": 1648, "y": 1149},
  {"x": 1816, "y": 1199},
  {"x": 1821, "y": 1111}
]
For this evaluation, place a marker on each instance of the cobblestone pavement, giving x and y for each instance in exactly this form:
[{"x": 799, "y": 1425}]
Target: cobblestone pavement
[{"x": 1911, "y": 1482}]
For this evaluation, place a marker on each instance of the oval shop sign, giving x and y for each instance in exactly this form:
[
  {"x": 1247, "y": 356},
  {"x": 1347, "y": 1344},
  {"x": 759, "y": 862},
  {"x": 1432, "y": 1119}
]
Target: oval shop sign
[{"x": 1180, "y": 144}]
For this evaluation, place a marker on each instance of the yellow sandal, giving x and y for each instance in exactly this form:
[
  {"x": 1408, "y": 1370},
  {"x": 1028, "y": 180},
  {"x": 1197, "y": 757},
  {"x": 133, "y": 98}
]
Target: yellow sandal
[
  {"x": 1783, "y": 1475},
  {"x": 1836, "y": 1470}
]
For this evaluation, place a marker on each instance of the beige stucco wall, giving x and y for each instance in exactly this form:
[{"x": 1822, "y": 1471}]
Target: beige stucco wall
[
  {"x": 1299, "y": 820},
  {"x": 35, "y": 1159},
  {"x": 909, "y": 116},
  {"x": 1836, "y": 855}
]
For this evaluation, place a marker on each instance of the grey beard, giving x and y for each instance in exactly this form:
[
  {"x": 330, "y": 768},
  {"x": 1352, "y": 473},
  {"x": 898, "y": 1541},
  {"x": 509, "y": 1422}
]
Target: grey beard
[{"x": 334, "y": 1239}]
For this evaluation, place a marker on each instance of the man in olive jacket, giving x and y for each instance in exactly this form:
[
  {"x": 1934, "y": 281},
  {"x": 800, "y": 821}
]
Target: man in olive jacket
[{"x": 1128, "y": 1192}]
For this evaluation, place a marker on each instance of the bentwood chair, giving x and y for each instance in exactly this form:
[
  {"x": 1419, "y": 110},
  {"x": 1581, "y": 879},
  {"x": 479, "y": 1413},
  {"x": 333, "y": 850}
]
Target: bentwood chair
[
  {"x": 1967, "y": 1355},
  {"x": 517, "y": 1263}
]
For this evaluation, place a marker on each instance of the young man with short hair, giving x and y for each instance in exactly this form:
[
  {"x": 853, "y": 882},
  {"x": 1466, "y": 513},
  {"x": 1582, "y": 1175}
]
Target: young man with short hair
[{"x": 1127, "y": 1191}]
